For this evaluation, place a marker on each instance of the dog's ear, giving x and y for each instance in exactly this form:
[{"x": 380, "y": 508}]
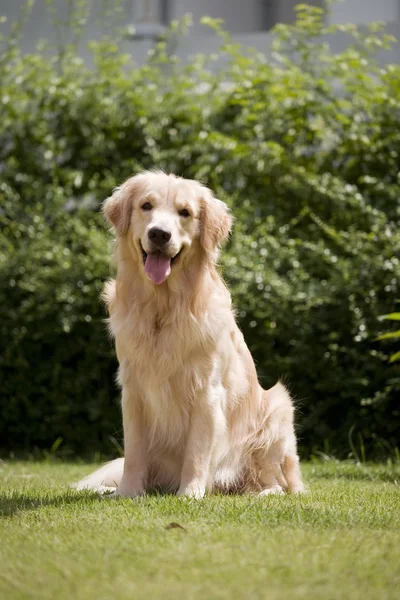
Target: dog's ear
[
  {"x": 117, "y": 209},
  {"x": 215, "y": 222}
]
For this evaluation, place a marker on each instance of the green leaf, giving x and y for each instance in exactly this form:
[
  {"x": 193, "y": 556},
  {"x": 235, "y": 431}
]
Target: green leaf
[
  {"x": 392, "y": 316},
  {"x": 391, "y": 334},
  {"x": 56, "y": 444},
  {"x": 395, "y": 357}
]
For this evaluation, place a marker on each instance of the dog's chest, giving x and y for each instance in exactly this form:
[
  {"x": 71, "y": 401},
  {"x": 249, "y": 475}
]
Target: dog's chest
[
  {"x": 159, "y": 347},
  {"x": 166, "y": 409},
  {"x": 167, "y": 403},
  {"x": 168, "y": 364}
]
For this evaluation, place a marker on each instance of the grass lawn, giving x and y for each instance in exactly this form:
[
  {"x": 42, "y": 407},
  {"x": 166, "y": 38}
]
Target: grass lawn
[{"x": 341, "y": 540}]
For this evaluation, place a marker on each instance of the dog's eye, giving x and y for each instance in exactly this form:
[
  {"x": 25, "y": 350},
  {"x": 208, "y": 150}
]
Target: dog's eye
[
  {"x": 147, "y": 206},
  {"x": 184, "y": 213}
]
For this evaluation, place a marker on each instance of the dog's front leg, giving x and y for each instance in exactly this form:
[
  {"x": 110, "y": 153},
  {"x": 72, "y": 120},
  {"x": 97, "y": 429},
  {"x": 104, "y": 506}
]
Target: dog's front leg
[
  {"x": 133, "y": 480},
  {"x": 206, "y": 424}
]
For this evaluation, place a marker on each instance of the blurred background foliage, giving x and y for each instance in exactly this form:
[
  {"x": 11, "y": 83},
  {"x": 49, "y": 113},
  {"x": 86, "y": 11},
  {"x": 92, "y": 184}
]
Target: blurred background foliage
[{"x": 303, "y": 144}]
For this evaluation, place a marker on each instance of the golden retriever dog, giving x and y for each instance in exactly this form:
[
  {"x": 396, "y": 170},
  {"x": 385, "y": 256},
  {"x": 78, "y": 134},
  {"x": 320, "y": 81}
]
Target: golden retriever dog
[{"x": 195, "y": 418}]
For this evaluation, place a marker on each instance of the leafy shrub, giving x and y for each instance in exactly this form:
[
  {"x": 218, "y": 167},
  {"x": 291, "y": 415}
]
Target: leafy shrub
[
  {"x": 304, "y": 145},
  {"x": 56, "y": 362}
]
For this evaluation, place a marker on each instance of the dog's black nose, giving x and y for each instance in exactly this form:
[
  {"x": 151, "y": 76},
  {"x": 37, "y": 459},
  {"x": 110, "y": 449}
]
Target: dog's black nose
[{"x": 159, "y": 237}]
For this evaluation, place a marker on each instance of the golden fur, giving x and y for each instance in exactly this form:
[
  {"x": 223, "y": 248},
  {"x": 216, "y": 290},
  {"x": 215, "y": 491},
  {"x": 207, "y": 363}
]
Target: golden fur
[{"x": 195, "y": 417}]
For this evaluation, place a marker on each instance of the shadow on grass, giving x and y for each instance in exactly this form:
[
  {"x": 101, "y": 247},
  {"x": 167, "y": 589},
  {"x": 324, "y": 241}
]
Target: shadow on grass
[{"x": 14, "y": 502}]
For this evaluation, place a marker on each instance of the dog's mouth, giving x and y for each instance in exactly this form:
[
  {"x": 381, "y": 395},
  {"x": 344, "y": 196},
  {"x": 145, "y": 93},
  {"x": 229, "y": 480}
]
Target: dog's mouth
[{"x": 157, "y": 265}]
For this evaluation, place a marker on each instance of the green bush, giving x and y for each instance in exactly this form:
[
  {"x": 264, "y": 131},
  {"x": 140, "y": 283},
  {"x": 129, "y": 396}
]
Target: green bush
[{"x": 303, "y": 144}]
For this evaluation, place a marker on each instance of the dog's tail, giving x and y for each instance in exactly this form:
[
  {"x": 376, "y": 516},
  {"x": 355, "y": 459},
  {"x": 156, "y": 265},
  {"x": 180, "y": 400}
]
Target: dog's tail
[{"x": 104, "y": 479}]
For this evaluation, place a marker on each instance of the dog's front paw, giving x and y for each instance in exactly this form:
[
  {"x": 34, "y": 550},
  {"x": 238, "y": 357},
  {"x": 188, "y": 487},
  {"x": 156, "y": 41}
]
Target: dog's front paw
[{"x": 194, "y": 489}]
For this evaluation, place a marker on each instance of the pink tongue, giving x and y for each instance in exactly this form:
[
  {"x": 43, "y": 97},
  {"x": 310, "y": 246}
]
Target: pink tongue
[{"x": 157, "y": 267}]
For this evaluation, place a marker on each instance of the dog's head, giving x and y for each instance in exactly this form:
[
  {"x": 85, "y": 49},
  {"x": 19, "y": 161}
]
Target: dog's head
[{"x": 168, "y": 221}]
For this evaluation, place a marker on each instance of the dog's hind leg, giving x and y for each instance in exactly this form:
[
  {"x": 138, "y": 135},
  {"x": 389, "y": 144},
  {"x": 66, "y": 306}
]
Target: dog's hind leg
[
  {"x": 277, "y": 475},
  {"x": 278, "y": 462},
  {"x": 279, "y": 471},
  {"x": 270, "y": 484},
  {"x": 270, "y": 479},
  {"x": 292, "y": 474}
]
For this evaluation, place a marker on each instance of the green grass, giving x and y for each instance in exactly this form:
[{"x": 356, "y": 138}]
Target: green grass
[{"x": 341, "y": 540}]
